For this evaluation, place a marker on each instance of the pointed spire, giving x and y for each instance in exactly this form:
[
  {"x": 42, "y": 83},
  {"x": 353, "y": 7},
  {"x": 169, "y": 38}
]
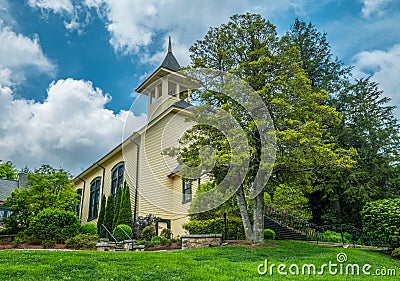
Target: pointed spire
[{"x": 169, "y": 45}]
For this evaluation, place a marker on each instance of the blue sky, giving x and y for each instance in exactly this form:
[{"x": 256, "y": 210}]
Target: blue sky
[{"x": 68, "y": 68}]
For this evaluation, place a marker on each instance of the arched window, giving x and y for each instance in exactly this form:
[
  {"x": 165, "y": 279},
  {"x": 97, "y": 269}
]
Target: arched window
[
  {"x": 94, "y": 198},
  {"x": 117, "y": 178},
  {"x": 78, "y": 207}
]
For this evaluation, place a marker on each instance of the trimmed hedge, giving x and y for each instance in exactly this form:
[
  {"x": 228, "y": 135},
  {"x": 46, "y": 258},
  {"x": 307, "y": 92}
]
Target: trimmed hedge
[
  {"x": 119, "y": 234},
  {"x": 269, "y": 234},
  {"x": 52, "y": 226},
  {"x": 216, "y": 226},
  {"x": 381, "y": 221},
  {"x": 88, "y": 228}
]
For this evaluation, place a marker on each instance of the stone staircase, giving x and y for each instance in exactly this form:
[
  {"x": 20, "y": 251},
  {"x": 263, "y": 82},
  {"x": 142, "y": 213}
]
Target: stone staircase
[{"x": 282, "y": 232}]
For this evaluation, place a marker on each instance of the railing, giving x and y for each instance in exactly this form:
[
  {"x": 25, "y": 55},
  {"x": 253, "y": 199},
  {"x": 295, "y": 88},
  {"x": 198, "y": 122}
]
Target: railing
[
  {"x": 124, "y": 234},
  {"x": 349, "y": 234}
]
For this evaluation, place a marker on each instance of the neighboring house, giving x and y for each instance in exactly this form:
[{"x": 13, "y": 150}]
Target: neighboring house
[
  {"x": 155, "y": 184},
  {"x": 6, "y": 187}
]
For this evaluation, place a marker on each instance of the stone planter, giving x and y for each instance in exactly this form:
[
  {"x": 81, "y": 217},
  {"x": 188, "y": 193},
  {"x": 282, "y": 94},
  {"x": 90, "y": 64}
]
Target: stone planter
[{"x": 194, "y": 241}]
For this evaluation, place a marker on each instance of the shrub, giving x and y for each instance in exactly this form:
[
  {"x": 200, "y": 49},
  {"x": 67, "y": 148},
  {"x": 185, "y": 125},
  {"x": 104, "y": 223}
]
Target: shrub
[
  {"x": 88, "y": 228},
  {"x": 396, "y": 253},
  {"x": 141, "y": 223},
  {"x": 82, "y": 242},
  {"x": 381, "y": 221},
  {"x": 156, "y": 240},
  {"x": 269, "y": 234},
  {"x": 166, "y": 233},
  {"x": 52, "y": 226},
  {"x": 216, "y": 226},
  {"x": 119, "y": 234},
  {"x": 148, "y": 232}
]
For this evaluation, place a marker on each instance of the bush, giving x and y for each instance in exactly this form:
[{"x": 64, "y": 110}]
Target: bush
[
  {"x": 141, "y": 223},
  {"x": 269, "y": 234},
  {"x": 216, "y": 226},
  {"x": 88, "y": 228},
  {"x": 166, "y": 233},
  {"x": 396, "y": 253},
  {"x": 119, "y": 234},
  {"x": 381, "y": 221},
  {"x": 82, "y": 242},
  {"x": 52, "y": 226},
  {"x": 156, "y": 240},
  {"x": 148, "y": 232}
]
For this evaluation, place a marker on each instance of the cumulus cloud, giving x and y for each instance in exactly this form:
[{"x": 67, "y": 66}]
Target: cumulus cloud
[
  {"x": 134, "y": 24},
  {"x": 57, "y": 6},
  {"x": 371, "y": 7},
  {"x": 17, "y": 53},
  {"x": 384, "y": 67},
  {"x": 71, "y": 128}
]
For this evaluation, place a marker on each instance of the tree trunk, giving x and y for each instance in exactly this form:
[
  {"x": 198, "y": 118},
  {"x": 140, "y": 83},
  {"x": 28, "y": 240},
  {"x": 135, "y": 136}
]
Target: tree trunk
[
  {"x": 248, "y": 228},
  {"x": 258, "y": 225}
]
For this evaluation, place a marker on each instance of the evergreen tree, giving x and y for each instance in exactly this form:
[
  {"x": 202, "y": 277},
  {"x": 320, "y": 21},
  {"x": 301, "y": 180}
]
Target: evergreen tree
[
  {"x": 109, "y": 214},
  {"x": 125, "y": 211},
  {"x": 117, "y": 206},
  {"x": 101, "y": 219}
]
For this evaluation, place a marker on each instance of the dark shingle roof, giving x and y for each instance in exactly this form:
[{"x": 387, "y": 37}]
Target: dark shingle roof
[
  {"x": 182, "y": 104},
  {"x": 6, "y": 187},
  {"x": 170, "y": 61}
]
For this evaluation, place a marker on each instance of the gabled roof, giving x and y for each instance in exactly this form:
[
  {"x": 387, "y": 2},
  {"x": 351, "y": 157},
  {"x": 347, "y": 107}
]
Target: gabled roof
[{"x": 6, "y": 187}]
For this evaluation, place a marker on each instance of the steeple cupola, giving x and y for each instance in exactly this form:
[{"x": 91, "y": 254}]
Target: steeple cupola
[{"x": 164, "y": 86}]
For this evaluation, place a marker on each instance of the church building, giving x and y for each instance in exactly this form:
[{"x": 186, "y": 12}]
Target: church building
[{"x": 155, "y": 184}]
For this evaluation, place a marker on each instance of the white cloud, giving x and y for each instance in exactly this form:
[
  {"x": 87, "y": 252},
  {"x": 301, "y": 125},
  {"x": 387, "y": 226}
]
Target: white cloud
[
  {"x": 384, "y": 66},
  {"x": 371, "y": 7},
  {"x": 57, "y": 6},
  {"x": 17, "y": 50},
  {"x": 71, "y": 128}
]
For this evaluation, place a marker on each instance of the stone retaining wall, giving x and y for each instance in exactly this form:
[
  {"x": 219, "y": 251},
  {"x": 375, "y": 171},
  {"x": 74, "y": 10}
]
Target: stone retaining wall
[{"x": 193, "y": 241}]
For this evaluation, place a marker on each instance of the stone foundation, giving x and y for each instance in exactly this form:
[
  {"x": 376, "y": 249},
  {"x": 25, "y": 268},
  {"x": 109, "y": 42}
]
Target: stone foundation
[{"x": 194, "y": 241}]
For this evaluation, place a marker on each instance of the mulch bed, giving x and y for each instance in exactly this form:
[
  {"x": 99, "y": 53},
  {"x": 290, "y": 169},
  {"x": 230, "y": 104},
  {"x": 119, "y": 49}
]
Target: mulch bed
[{"x": 29, "y": 247}]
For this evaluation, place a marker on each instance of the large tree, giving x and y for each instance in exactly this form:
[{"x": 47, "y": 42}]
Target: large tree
[
  {"x": 7, "y": 170},
  {"x": 249, "y": 47},
  {"x": 48, "y": 188}
]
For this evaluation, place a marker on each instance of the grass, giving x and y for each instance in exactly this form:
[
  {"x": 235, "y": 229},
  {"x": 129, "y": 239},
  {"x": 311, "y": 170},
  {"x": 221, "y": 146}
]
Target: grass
[{"x": 222, "y": 263}]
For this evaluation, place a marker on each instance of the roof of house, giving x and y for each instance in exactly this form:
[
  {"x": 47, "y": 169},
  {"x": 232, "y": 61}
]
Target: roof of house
[
  {"x": 182, "y": 104},
  {"x": 6, "y": 187},
  {"x": 170, "y": 61}
]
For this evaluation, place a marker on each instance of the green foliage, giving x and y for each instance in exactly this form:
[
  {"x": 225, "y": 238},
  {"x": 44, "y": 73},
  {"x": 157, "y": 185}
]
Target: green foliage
[
  {"x": 7, "y": 170},
  {"x": 216, "y": 226},
  {"x": 109, "y": 214},
  {"x": 381, "y": 221},
  {"x": 336, "y": 237},
  {"x": 166, "y": 233},
  {"x": 88, "y": 228},
  {"x": 53, "y": 226},
  {"x": 49, "y": 188},
  {"x": 148, "y": 232},
  {"x": 125, "y": 209},
  {"x": 396, "y": 253},
  {"x": 101, "y": 218},
  {"x": 156, "y": 240},
  {"x": 85, "y": 241},
  {"x": 117, "y": 206},
  {"x": 141, "y": 223},
  {"x": 119, "y": 234},
  {"x": 269, "y": 234}
]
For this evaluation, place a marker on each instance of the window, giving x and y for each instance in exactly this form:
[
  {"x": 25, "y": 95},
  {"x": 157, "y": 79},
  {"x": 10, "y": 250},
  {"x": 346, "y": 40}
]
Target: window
[
  {"x": 78, "y": 207},
  {"x": 94, "y": 198},
  {"x": 117, "y": 178},
  {"x": 186, "y": 190}
]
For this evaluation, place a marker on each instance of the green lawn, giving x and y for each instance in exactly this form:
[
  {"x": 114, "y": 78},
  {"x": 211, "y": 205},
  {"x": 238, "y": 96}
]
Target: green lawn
[{"x": 222, "y": 263}]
